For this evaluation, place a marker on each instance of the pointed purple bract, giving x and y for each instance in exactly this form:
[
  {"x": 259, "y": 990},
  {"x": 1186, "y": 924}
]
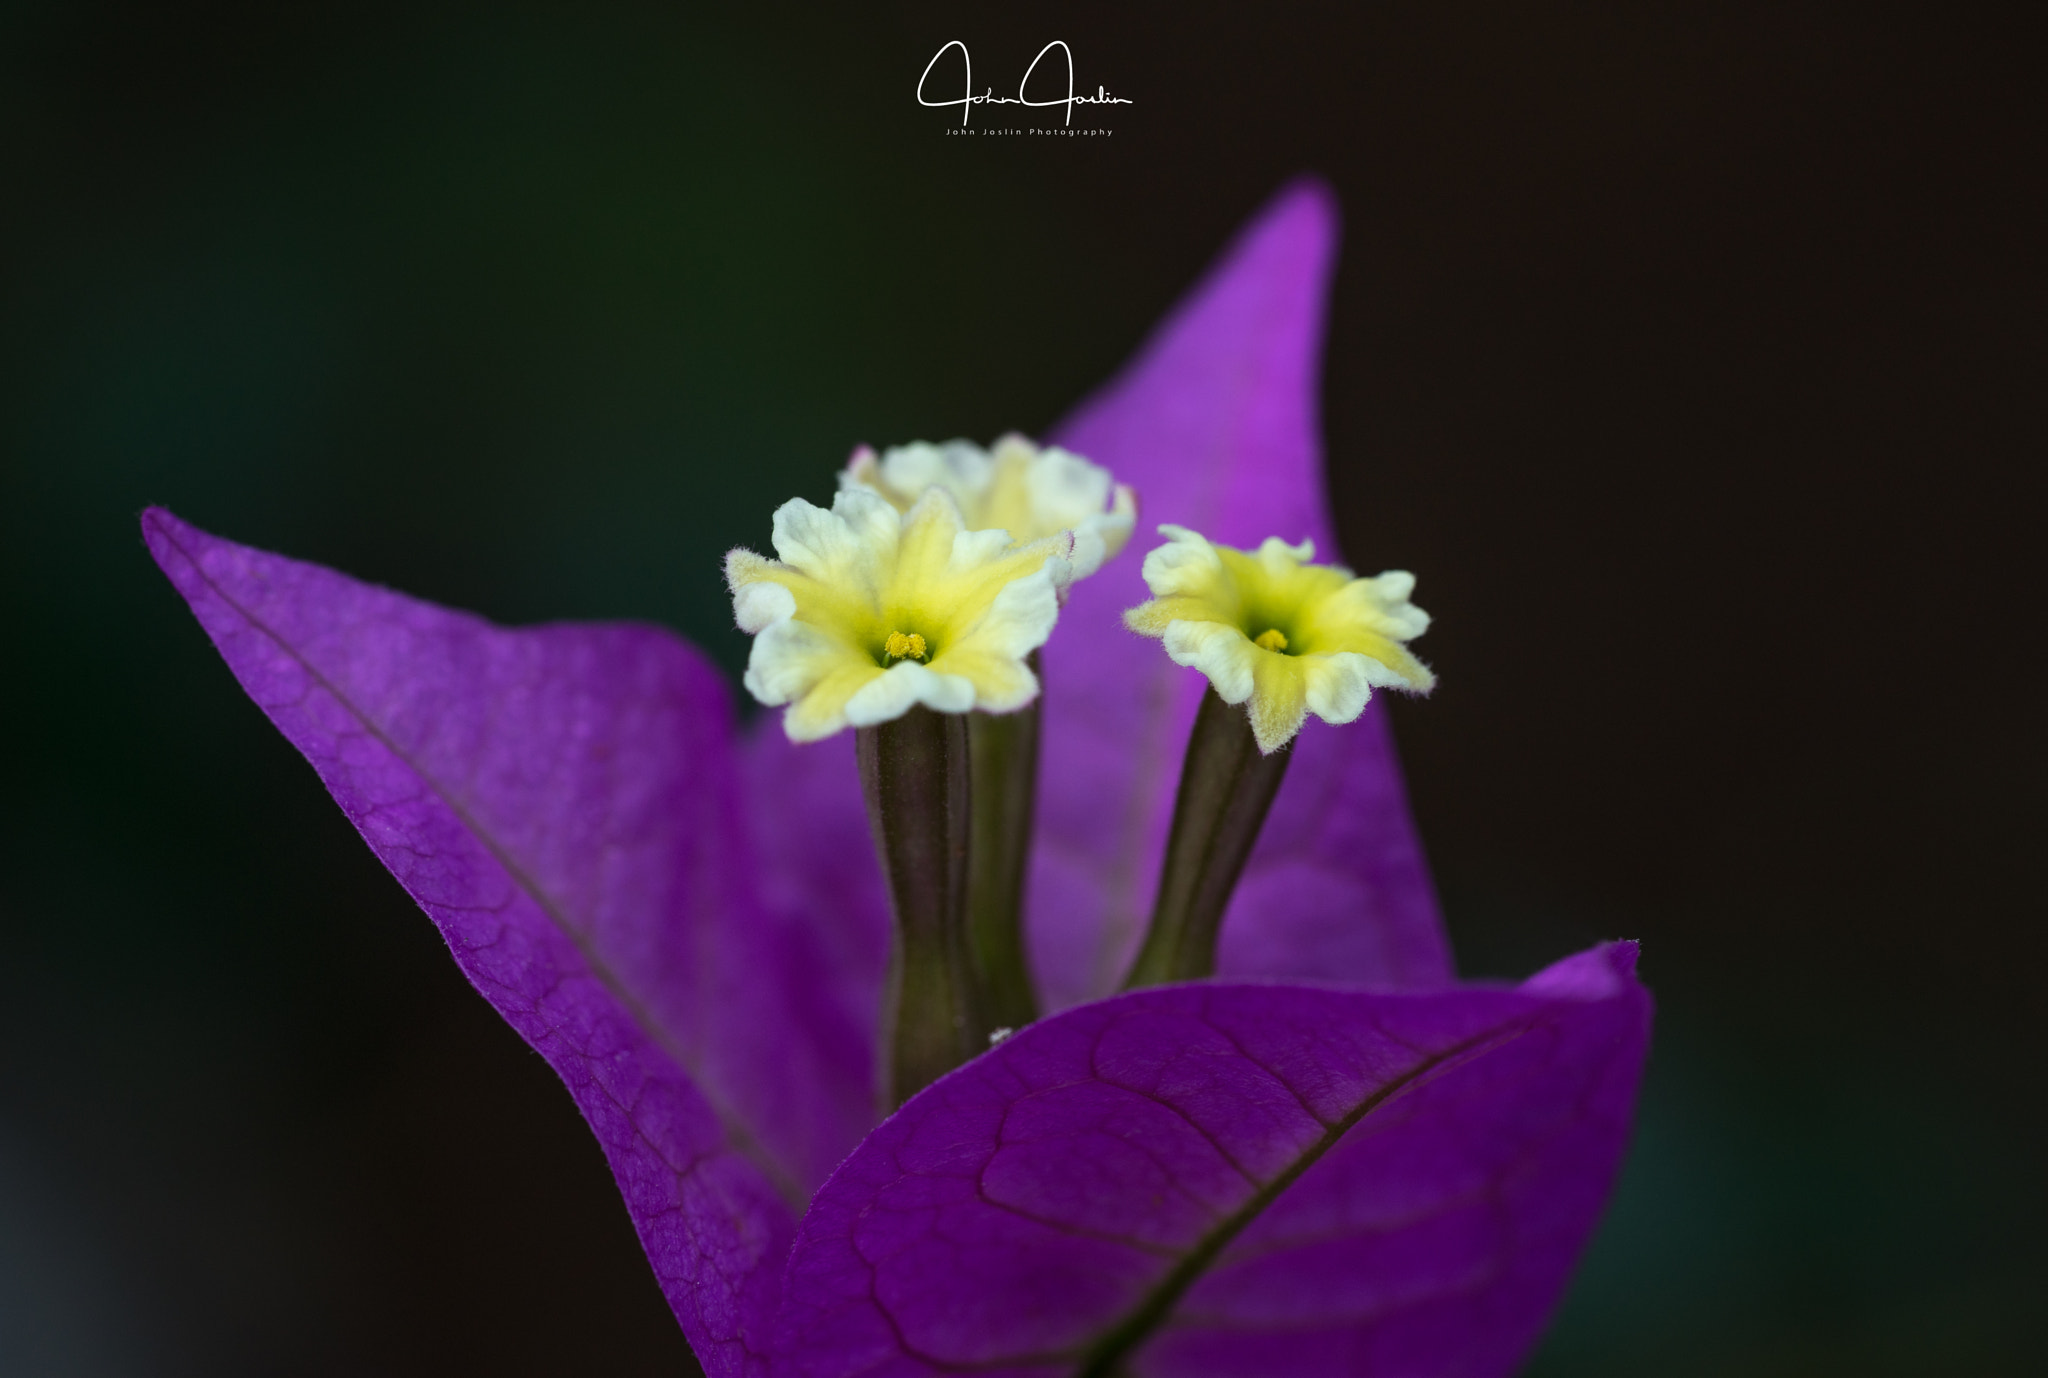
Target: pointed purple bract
[
  {"x": 1214, "y": 423},
  {"x": 562, "y": 803},
  {"x": 818, "y": 870},
  {"x": 1224, "y": 1180}
]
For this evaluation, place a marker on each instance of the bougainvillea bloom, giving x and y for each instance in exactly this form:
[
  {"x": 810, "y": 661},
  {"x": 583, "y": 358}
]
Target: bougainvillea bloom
[
  {"x": 1016, "y": 487},
  {"x": 871, "y": 610},
  {"x": 1330, "y": 1159},
  {"x": 1284, "y": 637}
]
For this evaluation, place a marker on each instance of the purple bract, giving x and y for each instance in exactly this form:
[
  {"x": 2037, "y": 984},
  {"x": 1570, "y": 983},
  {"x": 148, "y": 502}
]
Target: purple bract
[{"x": 1378, "y": 1172}]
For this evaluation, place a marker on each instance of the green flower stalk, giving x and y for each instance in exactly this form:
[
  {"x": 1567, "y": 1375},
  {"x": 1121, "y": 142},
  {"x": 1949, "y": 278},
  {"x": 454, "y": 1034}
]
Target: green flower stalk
[
  {"x": 1283, "y": 638},
  {"x": 1033, "y": 494},
  {"x": 899, "y": 623}
]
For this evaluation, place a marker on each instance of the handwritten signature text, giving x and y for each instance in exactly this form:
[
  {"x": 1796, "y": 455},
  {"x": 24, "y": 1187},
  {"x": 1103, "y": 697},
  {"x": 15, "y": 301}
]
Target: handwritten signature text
[{"x": 969, "y": 100}]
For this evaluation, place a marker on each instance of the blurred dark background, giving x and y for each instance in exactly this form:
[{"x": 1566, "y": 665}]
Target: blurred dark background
[{"x": 1691, "y": 353}]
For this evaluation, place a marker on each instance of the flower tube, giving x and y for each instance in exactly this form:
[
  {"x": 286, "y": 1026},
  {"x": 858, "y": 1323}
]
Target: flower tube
[
  {"x": 1283, "y": 638},
  {"x": 1033, "y": 493},
  {"x": 898, "y": 623}
]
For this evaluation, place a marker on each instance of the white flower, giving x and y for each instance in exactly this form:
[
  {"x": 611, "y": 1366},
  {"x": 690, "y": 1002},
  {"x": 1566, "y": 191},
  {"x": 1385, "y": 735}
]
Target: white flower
[
  {"x": 1270, "y": 628},
  {"x": 1017, "y": 487},
  {"x": 870, "y": 610}
]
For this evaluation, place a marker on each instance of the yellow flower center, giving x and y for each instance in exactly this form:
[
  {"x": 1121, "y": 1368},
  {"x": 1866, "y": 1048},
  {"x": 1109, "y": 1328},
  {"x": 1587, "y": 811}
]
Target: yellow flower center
[
  {"x": 831, "y": 620},
  {"x": 1272, "y": 639}
]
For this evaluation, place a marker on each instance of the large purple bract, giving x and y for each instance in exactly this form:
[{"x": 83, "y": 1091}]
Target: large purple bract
[{"x": 1372, "y": 1170}]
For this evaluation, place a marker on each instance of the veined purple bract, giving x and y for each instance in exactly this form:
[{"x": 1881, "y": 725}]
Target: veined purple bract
[{"x": 1330, "y": 1159}]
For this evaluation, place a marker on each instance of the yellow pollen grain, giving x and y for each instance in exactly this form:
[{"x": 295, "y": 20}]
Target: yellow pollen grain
[
  {"x": 1272, "y": 639},
  {"x": 901, "y": 647}
]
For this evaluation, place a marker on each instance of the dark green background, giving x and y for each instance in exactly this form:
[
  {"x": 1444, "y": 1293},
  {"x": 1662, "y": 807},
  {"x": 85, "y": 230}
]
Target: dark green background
[{"x": 1690, "y": 353}]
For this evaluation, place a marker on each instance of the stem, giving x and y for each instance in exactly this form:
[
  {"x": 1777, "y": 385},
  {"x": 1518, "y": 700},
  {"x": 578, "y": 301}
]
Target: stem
[
  {"x": 1003, "y": 776},
  {"x": 914, "y": 777},
  {"x": 1226, "y": 787}
]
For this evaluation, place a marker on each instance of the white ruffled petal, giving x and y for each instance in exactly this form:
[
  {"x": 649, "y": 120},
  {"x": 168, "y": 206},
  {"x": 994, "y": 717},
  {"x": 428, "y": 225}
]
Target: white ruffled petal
[
  {"x": 1218, "y": 650},
  {"x": 1339, "y": 686},
  {"x": 1102, "y": 534},
  {"x": 1382, "y": 605},
  {"x": 1090, "y": 550},
  {"x": 818, "y": 542},
  {"x": 1019, "y": 619},
  {"x": 870, "y": 521},
  {"x": 787, "y": 659},
  {"x": 1065, "y": 489},
  {"x": 961, "y": 467},
  {"x": 758, "y": 605},
  {"x": 1404, "y": 620},
  {"x": 1279, "y": 558},
  {"x": 1186, "y": 564},
  {"x": 973, "y": 548},
  {"x": 1395, "y": 585},
  {"x": 892, "y": 693}
]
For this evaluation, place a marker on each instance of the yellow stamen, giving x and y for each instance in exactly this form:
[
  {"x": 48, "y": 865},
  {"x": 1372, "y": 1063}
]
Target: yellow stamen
[
  {"x": 901, "y": 647},
  {"x": 1272, "y": 639}
]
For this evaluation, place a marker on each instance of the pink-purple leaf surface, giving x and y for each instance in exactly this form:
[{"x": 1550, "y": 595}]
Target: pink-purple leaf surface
[
  {"x": 562, "y": 803},
  {"x": 1230, "y": 1180}
]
